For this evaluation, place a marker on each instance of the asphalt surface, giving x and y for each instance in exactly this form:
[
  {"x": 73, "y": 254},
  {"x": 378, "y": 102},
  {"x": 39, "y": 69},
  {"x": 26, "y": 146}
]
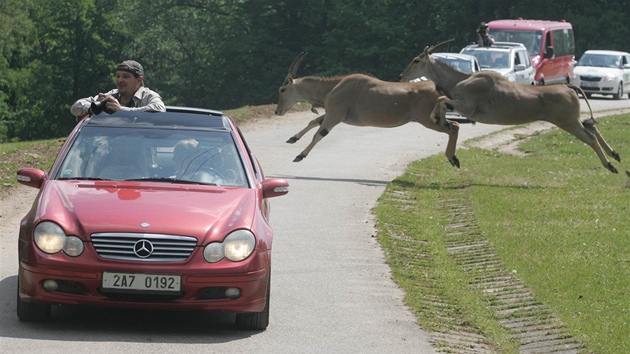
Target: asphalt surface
[{"x": 331, "y": 291}]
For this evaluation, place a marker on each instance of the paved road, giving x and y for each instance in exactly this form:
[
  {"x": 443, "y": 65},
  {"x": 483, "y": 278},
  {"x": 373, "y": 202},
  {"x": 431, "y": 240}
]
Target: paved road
[{"x": 331, "y": 292}]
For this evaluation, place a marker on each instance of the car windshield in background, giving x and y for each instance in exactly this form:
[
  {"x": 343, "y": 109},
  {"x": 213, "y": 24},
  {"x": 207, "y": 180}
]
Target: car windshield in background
[
  {"x": 188, "y": 156},
  {"x": 531, "y": 39},
  {"x": 490, "y": 58},
  {"x": 600, "y": 60},
  {"x": 464, "y": 66}
]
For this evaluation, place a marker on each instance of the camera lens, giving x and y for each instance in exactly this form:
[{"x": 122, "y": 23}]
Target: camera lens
[{"x": 97, "y": 107}]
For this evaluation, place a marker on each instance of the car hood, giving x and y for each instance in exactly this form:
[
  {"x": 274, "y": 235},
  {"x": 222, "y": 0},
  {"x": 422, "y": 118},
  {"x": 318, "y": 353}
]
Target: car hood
[
  {"x": 205, "y": 212},
  {"x": 594, "y": 70}
]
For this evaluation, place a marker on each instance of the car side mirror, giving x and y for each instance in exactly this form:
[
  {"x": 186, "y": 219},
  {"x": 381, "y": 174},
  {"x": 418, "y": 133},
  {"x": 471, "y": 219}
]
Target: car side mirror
[
  {"x": 519, "y": 67},
  {"x": 31, "y": 177},
  {"x": 626, "y": 66},
  {"x": 549, "y": 52},
  {"x": 274, "y": 187}
]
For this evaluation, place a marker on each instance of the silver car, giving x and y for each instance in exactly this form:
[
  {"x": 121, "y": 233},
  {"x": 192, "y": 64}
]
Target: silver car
[
  {"x": 508, "y": 59},
  {"x": 605, "y": 72}
]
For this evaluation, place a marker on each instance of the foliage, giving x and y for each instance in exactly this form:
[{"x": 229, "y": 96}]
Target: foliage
[{"x": 233, "y": 53}]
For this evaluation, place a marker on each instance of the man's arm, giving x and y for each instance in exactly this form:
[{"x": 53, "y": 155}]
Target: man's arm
[{"x": 82, "y": 106}]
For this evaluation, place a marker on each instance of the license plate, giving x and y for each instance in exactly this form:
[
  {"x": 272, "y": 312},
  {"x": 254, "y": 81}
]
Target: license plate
[
  {"x": 590, "y": 84},
  {"x": 142, "y": 282}
]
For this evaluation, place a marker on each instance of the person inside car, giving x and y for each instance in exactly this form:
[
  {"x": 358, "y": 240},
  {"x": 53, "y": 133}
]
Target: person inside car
[{"x": 130, "y": 94}]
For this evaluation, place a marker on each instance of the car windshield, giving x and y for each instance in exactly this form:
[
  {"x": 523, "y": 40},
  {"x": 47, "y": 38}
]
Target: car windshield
[
  {"x": 173, "y": 156},
  {"x": 531, "y": 39},
  {"x": 600, "y": 60},
  {"x": 462, "y": 65},
  {"x": 490, "y": 59}
]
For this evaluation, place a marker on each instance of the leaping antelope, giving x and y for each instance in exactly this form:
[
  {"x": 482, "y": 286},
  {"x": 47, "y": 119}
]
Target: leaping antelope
[
  {"x": 487, "y": 97},
  {"x": 363, "y": 100}
]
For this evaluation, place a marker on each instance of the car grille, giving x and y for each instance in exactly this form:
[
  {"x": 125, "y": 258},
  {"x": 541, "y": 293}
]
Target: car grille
[
  {"x": 143, "y": 247},
  {"x": 590, "y": 78}
]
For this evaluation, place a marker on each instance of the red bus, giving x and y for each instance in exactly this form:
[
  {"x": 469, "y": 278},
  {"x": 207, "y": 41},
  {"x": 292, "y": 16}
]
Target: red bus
[{"x": 550, "y": 44}]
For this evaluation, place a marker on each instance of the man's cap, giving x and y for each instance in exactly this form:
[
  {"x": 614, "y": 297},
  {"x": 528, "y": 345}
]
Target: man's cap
[{"x": 131, "y": 66}]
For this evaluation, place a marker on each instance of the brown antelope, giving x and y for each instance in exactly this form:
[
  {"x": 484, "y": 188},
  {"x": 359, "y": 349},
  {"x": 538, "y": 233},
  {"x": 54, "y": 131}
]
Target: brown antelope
[
  {"x": 362, "y": 100},
  {"x": 487, "y": 97}
]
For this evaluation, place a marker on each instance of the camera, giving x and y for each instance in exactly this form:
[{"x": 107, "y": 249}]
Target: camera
[
  {"x": 100, "y": 106},
  {"x": 483, "y": 30}
]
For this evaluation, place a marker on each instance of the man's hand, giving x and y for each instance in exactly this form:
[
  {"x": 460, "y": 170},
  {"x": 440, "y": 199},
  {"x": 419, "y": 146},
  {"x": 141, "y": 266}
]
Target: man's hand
[{"x": 111, "y": 104}]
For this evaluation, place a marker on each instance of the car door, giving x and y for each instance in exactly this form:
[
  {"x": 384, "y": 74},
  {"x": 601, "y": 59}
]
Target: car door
[
  {"x": 525, "y": 73},
  {"x": 625, "y": 67}
]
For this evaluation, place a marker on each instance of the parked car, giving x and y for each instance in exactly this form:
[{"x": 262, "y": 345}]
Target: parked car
[
  {"x": 508, "y": 59},
  {"x": 605, "y": 72},
  {"x": 161, "y": 210}
]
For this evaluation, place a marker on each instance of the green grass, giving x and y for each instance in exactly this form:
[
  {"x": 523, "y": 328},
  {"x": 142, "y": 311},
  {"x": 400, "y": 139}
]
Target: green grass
[
  {"x": 13, "y": 156},
  {"x": 556, "y": 217}
]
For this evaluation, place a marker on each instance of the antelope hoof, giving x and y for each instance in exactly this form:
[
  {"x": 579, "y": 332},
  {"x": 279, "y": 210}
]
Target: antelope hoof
[
  {"x": 616, "y": 156},
  {"x": 292, "y": 140},
  {"x": 299, "y": 158},
  {"x": 454, "y": 161},
  {"x": 611, "y": 168}
]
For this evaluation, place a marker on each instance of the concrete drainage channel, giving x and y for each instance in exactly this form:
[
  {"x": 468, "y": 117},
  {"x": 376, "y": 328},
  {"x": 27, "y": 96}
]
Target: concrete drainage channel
[{"x": 528, "y": 321}]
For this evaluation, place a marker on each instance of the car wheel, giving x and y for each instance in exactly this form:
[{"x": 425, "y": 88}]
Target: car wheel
[
  {"x": 257, "y": 321},
  {"x": 31, "y": 312},
  {"x": 589, "y": 95},
  {"x": 619, "y": 93}
]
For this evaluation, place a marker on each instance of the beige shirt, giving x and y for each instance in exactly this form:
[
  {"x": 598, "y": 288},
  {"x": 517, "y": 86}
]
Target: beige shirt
[{"x": 143, "y": 100}]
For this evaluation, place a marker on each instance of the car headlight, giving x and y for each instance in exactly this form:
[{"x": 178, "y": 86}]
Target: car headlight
[
  {"x": 236, "y": 247},
  {"x": 50, "y": 238},
  {"x": 609, "y": 78}
]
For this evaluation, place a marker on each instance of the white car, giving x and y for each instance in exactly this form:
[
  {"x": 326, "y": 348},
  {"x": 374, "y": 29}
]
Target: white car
[
  {"x": 508, "y": 59},
  {"x": 605, "y": 72}
]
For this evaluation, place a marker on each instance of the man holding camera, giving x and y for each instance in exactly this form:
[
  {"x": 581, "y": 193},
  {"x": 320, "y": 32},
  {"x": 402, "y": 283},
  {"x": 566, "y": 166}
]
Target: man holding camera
[
  {"x": 484, "y": 39},
  {"x": 130, "y": 94}
]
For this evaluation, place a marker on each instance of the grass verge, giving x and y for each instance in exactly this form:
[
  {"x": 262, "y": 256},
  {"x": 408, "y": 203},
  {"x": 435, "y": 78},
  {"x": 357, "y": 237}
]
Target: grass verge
[{"x": 556, "y": 218}]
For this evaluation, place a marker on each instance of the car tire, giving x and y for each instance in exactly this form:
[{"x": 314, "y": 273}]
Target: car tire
[
  {"x": 30, "y": 312},
  {"x": 255, "y": 321},
  {"x": 619, "y": 93}
]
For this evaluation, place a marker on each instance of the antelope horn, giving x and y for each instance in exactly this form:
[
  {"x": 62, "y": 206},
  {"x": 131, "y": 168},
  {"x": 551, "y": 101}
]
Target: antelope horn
[
  {"x": 294, "y": 66},
  {"x": 432, "y": 48}
]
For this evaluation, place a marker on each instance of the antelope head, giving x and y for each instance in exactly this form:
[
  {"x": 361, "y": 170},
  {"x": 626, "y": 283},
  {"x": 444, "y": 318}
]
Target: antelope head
[
  {"x": 420, "y": 65},
  {"x": 287, "y": 92}
]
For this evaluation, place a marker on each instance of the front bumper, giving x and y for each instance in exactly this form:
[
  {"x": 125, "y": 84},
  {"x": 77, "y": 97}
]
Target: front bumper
[{"x": 202, "y": 285}]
